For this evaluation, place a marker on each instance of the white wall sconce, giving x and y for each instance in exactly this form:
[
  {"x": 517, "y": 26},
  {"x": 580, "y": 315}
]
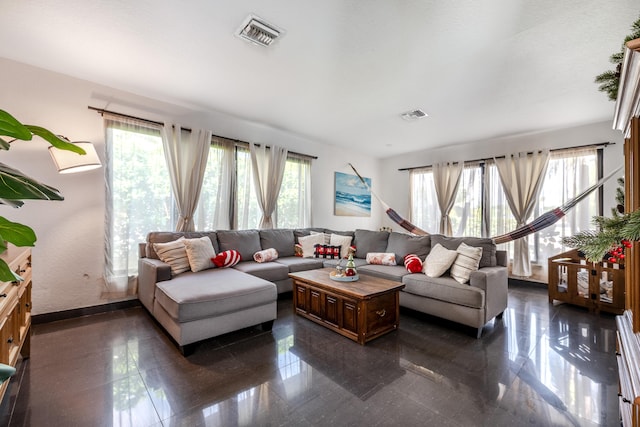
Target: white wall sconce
[{"x": 70, "y": 162}]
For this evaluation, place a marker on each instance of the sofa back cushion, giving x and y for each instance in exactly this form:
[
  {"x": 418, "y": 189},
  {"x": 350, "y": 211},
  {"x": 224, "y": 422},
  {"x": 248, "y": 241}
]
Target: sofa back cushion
[
  {"x": 403, "y": 244},
  {"x": 246, "y": 242},
  {"x": 370, "y": 241},
  {"x": 282, "y": 240},
  {"x": 170, "y": 236},
  {"x": 488, "y": 247}
]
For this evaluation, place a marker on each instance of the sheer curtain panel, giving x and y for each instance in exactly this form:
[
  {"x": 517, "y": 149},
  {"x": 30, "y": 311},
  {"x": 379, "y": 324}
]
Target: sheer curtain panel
[
  {"x": 268, "y": 170},
  {"x": 522, "y": 176},
  {"x": 138, "y": 198},
  {"x": 446, "y": 178},
  {"x": 214, "y": 205},
  {"x": 186, "y": 160}
]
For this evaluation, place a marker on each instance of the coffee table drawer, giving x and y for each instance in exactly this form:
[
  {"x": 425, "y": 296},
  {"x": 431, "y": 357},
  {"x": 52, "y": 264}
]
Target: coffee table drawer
[{"x": 381, "y": 314}]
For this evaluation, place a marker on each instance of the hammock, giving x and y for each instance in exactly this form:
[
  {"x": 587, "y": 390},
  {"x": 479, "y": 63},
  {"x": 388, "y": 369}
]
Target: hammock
[{"x": 540, "y": 223}]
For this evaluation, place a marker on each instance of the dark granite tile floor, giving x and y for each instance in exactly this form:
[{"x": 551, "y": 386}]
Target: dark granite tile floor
[{"x": 542, "y": 365}]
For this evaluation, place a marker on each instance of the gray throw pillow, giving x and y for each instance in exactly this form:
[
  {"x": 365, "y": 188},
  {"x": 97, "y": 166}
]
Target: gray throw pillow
[
  {"x": 488, "y": 247},
  {"x": 403, "y": 244},
  {"x": 281, "y": 240},
  {"x": 246, "y": 242},
  {"x": 370, "y": 241}
]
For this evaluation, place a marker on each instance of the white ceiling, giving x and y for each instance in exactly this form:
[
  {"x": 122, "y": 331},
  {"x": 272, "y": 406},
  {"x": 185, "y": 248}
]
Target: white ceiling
[{"x": 344, "y": 69}]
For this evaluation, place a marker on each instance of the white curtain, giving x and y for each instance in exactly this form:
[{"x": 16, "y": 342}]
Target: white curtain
[
  {"x": 522, "y": 176},
  {"x": 268, "y": 170},
  {"x": 214, "y": 204},
  {"x": 138, "y": 198},
  {"x": 446, "y": 178},
  {"x": 186, "y": 160}
]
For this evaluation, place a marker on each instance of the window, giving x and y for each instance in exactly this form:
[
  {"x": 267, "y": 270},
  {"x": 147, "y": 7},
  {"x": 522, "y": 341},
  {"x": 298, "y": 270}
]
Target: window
[
  {"x": 138, "y": 197},
  {"x": 569, "y": 173},
  {"x": 466, "y": 214},
  {"x": 481, "y": 208}
]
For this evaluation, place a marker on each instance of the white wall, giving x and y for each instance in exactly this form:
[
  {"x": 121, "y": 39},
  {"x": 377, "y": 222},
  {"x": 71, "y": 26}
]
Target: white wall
[
  {"x": 68, "y": 256},
  {"x": 396, "y": 183}
]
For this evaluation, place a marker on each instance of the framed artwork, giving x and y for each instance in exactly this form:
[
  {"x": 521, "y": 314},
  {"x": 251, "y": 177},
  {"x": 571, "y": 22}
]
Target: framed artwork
[{"x": 352, "y": 196}]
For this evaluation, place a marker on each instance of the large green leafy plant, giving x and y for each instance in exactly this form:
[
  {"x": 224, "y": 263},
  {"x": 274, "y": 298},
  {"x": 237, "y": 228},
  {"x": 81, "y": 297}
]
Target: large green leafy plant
[{"x": 16, "y": 186}]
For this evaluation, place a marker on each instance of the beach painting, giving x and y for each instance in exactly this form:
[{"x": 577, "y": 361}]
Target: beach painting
[{"x": 352, "y": 197}]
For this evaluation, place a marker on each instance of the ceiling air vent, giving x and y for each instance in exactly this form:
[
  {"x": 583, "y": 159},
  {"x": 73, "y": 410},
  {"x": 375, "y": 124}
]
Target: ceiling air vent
[
  {"x": 413, "y": 115},
  {"x": 256, "y": 30}
]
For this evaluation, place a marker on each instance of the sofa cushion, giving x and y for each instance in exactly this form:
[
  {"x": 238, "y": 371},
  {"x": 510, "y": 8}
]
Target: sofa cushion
[
  {"x": 403, "y": 244},
  {"x": 390, "y": 272},
  {"x": 333, "y": 262},
  {"x": 467, "y": 261},
  {"x": 295, "y": 264},
  {"x": 438, "y": 261},
  {"x": 200, "y": 253},
  {"x": 169, "y": 236},
  {"x": 247, "y": 242},
  {"x": 210, "y": 293},
  {"x": 301, "y": 232},
  {"x": 175, "y": 254},
  {"x": 282, "y": 241},
  {"x": 271, "y": 271},
  {"x": 488, "y": 247},
  {"x": 370, "y": 241},
  {"x": 443, "y": 289}
]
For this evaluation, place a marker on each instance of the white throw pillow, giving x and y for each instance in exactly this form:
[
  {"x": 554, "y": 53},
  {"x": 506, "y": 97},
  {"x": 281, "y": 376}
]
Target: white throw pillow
[
  {"x": 438, "y": 261},
  {"x": 199, "y": 252},
  {"x": 174, "y": 254},
  {"x": 327, "y": 237},
  {"x": 308, "y": 243},
  {"x": 343, "y": 241},
  {"x": 467, "y": 261}
]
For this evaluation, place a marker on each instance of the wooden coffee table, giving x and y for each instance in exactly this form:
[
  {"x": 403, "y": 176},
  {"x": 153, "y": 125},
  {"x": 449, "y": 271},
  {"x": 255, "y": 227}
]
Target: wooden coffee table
[{"x": 360, "y": 310}]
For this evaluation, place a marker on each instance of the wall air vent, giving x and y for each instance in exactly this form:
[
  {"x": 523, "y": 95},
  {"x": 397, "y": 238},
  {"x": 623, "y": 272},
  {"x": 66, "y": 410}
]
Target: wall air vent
[
  {"x": 414, "y": 115},
  {"x": 256, "y": 30}
]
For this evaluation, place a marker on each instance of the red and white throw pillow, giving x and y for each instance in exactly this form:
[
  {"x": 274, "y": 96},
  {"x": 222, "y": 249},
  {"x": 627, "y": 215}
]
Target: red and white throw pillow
[
  {"x": 412, "y": 263},
  {"x": 227, "y": 258},
  {"x": 326, "y": 251}
]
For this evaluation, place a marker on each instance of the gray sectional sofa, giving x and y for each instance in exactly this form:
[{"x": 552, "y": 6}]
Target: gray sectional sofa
[{"x": 195, "y": 306}]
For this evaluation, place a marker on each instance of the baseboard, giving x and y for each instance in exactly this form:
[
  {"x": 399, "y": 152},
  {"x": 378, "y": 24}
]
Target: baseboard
[
  {"x": 84, "y": 311},
  {"x": 524, "y": 282}
]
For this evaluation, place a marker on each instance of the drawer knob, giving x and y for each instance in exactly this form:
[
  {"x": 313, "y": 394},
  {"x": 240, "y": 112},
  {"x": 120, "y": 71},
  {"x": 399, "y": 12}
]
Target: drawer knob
[
  {"x": 10, "y": 340},
  {"x": 27, "y": 305},
  {"x": 3, "y": 295},
  {"x": 381, "y": 313},
  {"x": 23, "y": 271}
]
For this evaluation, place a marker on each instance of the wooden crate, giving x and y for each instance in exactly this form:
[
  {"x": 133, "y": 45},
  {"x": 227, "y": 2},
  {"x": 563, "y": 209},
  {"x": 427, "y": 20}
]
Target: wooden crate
[{"x": 596, "y": 286}]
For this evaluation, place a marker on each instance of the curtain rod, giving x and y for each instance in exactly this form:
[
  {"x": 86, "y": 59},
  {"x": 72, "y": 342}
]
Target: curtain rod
[
  {"x": 101, "y": 111},
  {"x": 602, "y": 144}
]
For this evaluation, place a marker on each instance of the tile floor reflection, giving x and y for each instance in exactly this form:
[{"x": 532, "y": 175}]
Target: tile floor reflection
[{"x": 542, "y": 365}]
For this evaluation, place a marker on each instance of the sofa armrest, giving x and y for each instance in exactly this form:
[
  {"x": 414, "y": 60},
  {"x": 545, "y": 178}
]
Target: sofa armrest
[
  {"x": 150, "y": 272},
  {"x": 494, "y": 282}
]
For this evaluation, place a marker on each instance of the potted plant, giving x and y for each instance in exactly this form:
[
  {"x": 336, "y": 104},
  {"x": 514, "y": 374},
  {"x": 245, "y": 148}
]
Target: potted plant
[{"x": 15, "y": 186}]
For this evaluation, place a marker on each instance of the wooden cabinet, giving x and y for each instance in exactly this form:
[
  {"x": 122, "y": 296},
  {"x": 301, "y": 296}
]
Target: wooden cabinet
[
  {"x": 626, "y": 120},
  {"x": 15, "y": 310},
  {"x": 596, "y": 286}
]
